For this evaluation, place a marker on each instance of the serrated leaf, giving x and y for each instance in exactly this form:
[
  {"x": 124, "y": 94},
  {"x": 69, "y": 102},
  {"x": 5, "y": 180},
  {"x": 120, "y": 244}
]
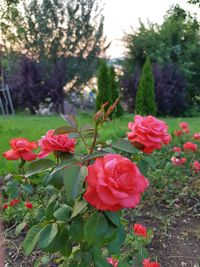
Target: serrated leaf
[
  {"x": 95, "y": 155},
  {"x": 19, "y": 228},
  {"x": 74, "y": 177},
  {"x": 95, "y": 229},
  {"x": 78, "y": 208},
  {"x": 47, "y": 235},
  {"x": 27, "y": 188},
  {"x": 39, "y": 166},
  {"x": 64, "y": 164},
  {"x": 65, "y": 130},
  {"x": 125, "y": 146},
  {"x": 63, "y": 213},
  {"x": 31, "y": 239},
  {"x": 114, "y": 217},
  {"x": 87, "y": 128}
]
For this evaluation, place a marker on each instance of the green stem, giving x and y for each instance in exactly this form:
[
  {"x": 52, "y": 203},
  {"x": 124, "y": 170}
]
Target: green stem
[
  {"x": 86, "y": 146},
  {"x": 95, "y": 139}
]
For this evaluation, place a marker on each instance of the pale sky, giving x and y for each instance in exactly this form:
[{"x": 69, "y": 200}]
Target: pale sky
[{"x": 121, "y": 15}]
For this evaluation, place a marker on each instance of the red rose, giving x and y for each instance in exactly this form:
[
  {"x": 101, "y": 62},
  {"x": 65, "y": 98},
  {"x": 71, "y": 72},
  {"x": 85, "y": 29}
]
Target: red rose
[
  {"x": 21, "y": 148},
  {"x": 113, "y": 183},
  {"x": 147, "y": 263},
  {"x": 177, "y": 149},
  {"x": 188, "y": 147},
  {"x": 184, "y": 125},
  {"x": 196, "y": 136},
  {"x": 5, "y": 206},
  {"x": 178, "y": 132},
  {"x": 148, "y": 133},
  {"x": 140, "y": 230},
  {"x": 178, "y": 161},
  {"x": 28, "y": 205},
  {"x": 56, "y": 142},
  {"x": 196, "y": 166},
  {"x": 113, "y": 262},
  {"x": 14, "y": 202}
]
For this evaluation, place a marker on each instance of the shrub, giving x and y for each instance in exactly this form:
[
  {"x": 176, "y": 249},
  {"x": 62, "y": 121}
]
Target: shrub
[
  {"x": 114, "y": 90},
  {"x": 169, "y": 89},
  {"x": 145, "y": 98},
  {"x": 104, "y": 94}
]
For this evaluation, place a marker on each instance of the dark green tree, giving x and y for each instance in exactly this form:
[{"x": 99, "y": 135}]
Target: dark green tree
[
  {"x": 51, "y": 31},
  {"x": 176, "y": 41},
  {"x": 103, "y": 83},
  {"x": 145, "y": 98},
  {"x": 114, "y": 90}
]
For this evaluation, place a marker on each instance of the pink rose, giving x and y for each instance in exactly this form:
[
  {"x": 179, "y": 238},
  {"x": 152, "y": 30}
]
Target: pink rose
[
  {"x": 113, "y": 262},
  {"x": 188, "y": 147},
  {"x": 21, "y": 149},
  {"x": 178, "y": 161},
  {"x": 196, "y": 136},
  {"x": 148, "y": 133},
  {"x": 184, "y": 125},
  {"x": 196, "y": 166},
  {"x": 56, "y": 142},
  {"x": 178, "y": 132},
  {"x": 113, "y": 183},
  {"x": 177, "y": 149},
  {"x": 140, "y": 230},
  {"x": 147, "y": 263}
]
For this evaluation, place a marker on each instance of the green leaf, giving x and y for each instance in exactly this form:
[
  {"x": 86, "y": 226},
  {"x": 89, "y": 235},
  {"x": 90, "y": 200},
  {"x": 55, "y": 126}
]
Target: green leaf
[
  {"x": 115, "y": 245},
  {"x": 79, "y": 206},
  {"x": 143, "y": 166},
  {"x": 55, "y": 179},
  {"x": 150, "y": 161},
  {"x": 31, "y": 239},
  {"x": 64, "y": 164},
  {"x": 60, "y": 243},
  {"x": 74, "y": 177},
  {"x": 63, "y": 213},
  {"x": 76, "y": 230},
  {"x": 95, "y": 155},
  {"x": 125, "y": 146},
  {"x": 39, "y": 166},
  {"x": 19, "y": 228},
  {"x": 95, "y": 228},
  {"x": 51, "y": 208},
  {"x": 114, "y": 217},
  {"x": 47, "y": 235},
  {"x": 27, "y": 188},
  {"x": 65, "y": 129}
]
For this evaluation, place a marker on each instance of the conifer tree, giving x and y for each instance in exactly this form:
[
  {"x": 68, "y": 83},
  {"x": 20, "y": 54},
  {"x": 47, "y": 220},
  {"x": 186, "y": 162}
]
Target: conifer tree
[
  {"x": 145, "y": 98},
  {"x": 114, "y": 90},
  {"x": 103, "y": 83}
]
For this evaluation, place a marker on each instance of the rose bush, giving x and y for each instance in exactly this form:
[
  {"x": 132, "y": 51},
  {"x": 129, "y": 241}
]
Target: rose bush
[{"x": 82, "y": 196}]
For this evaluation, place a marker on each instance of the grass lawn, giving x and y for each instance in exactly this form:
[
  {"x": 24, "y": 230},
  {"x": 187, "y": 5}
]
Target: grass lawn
[{"x": 33, "y": 127}]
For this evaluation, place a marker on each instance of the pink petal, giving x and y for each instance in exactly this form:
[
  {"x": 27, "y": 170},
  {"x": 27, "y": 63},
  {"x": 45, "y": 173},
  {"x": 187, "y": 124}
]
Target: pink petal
[{"x": 11, "y": 155}]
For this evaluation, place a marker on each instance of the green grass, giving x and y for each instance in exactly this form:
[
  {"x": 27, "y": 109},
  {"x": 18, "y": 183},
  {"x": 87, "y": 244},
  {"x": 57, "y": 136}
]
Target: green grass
[{"x": 33, "y": 127}]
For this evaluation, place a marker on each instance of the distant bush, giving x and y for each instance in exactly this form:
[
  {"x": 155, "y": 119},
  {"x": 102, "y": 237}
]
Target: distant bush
[
  {"x": 114, "y": 90},
  {"x": 145, "y": 97},
  {"x": 103, "y": 83},
  {"x": 170, "y": 89}
]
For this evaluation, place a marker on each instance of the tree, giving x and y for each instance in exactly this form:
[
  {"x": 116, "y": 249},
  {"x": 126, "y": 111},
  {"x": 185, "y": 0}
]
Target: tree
[
  {"x": 114, "y": 90},
  {"x": 65, "y": 29},
  {"x": 145, "y": 98},
  {"x": 170, "y": 89},
  {"x": 103, "y": 83},
  {"x": 176, "y": 41}
]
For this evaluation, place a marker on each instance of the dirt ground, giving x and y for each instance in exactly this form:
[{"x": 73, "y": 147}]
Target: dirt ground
[{"x": 176, "y": 241}]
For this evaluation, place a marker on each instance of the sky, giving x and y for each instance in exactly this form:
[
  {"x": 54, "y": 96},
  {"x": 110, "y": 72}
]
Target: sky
[{"x": 121, "y": 15}]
